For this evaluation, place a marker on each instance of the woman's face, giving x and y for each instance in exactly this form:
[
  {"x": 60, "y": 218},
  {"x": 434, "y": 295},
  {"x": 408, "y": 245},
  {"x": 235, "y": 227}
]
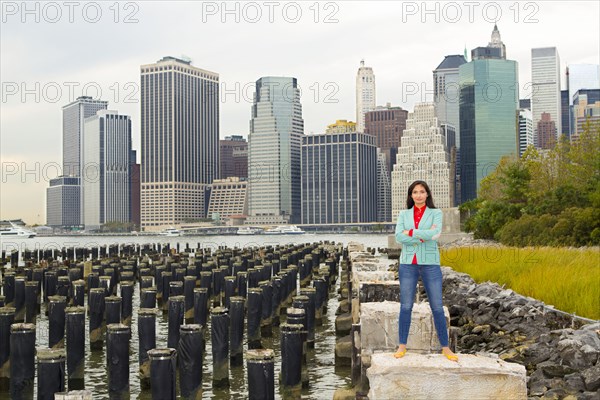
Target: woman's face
[{"x": 419, "y": 195}]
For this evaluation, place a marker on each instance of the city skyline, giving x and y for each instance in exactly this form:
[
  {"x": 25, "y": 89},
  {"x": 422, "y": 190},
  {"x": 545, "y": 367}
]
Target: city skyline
[{"x": 321, "y": 69}]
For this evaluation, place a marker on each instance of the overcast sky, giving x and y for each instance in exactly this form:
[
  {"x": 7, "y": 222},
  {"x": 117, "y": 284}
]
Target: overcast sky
[{"x": 50, "y": 52}]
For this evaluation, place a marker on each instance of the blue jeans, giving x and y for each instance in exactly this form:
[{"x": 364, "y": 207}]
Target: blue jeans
[{"x": 432, "y": 280}]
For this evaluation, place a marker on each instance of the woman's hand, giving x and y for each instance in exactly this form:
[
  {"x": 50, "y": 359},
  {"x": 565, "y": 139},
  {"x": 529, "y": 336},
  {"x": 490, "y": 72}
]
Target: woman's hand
[{"x": 405, "y": 232}]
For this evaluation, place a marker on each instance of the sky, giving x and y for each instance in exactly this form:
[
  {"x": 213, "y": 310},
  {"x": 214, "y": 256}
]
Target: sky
[{"x": 53, "y": 52}]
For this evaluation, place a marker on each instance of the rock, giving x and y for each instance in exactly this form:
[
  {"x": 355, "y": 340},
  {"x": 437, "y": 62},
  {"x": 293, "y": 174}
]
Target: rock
[
  {"x": 379, "y": 327},
  {"x": 432, "y": 376},
  {"x": 553, "y": 370},
  {"x": 574, "y": 383},
  {"x": 343, "y": 349},
  {"x": 343, "y": 324},
  {"x": 555, "y": 394},
  {"x": 344, "y": 394},
  {"x": 591, "y": 378},
  {"x": 343, "y": 307}
]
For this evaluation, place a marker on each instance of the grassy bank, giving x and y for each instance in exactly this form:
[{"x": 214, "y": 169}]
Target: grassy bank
[{"x": 568, "y": 279}]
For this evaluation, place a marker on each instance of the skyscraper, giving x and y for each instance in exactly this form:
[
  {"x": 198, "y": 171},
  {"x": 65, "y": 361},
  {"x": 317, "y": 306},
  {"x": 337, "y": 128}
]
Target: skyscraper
[
  {"x": 586, "y": 109},
  {"x": 234, "y": 157},
  {"x": 582, "y": 76},
  {"x": 339, "y": 178},
  {"x": 424, "y": 155},
  {"x": 488, "y": 118},
  {"x": 545, "y": 92},
  {"x": 386, "y": 123},
  {"x": 365, "y": 94},
  {"x": 384, "y": 189},
  {"x": 525, "y": 130},
  {"x": 63, "y": 202},
  {"x": 446, "y": 91},
  {"x": 106, "y": 176},
  {"x": 545, "y": 132},
  {"x": 274, "y": 146},
  {"x": 180, "y": 141},
  {"x": 73, "y": 116}
]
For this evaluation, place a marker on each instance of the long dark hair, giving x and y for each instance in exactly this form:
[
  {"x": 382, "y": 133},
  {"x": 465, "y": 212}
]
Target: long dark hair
[{"x": 410, "y": 202}]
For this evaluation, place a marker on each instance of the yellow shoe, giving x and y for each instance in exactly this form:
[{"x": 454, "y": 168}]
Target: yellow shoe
[
  {"x": 450, "y": 356},
  {"x": 400, "y": 353}
]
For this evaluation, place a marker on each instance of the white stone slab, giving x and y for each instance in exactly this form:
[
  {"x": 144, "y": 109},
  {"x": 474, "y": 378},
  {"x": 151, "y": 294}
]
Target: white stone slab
[
  {"x": 371, "y": 276},
  {"x": 379, "y": 327},
  {"x": 432, "y": 376}
]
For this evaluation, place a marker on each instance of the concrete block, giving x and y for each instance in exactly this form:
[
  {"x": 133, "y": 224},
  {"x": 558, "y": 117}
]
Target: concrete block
[
  {"x": 379, "y": 327},
  {"x": 355, "y": 246},
  {"x": 432, "y": 376},
  {"x": 379, "y": 291}
]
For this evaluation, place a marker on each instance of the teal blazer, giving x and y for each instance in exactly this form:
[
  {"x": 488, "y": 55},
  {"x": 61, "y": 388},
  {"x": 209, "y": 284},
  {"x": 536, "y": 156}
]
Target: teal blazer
[{"x": 430, "y": 228}]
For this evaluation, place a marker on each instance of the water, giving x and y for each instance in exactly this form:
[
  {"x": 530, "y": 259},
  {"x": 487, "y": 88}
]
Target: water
[{"x": 324, "y": 376}]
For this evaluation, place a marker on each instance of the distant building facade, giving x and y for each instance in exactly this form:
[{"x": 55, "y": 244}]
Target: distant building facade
[
  {"x": 545, "y": 132},
  {"x": 234, "y": 157},
  {"x": 339, "y": 178},
  {"x": 274, "y": 150},
  {"x": 525, "y": 130},
  {"x": 106, "y": 176},
  {"x": 424, "y": 155},
  {"x": 227, "y": 198},
  {"x": 62, "y": 202},
  {"x": 180, "y": 141},
  {"x": 586, "y": 110},
  {"x": 545, "y": 94},
  {"x": 365, "y": 94}
]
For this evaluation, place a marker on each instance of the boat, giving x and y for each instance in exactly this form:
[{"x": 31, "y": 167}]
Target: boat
[
  {"x": 285, "y": 230},
  {"x": 16, "y": 231},
  {"x": 247, "y": 230},
  {"x": 171, "y": 232}
]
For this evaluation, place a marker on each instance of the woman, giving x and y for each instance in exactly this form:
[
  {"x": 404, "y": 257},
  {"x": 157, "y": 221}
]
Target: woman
[{"x": 418, "y": 229}]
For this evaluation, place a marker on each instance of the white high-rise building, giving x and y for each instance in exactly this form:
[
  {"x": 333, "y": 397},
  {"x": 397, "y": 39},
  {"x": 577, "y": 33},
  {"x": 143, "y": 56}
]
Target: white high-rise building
[
  {"x": 525, "y": 130},
  {"x": 274, "y": 150},
  {"x": 180, "y": 141},
  {"x": 545, "y": 97},
  {"x": 365, "y": 94},
  {"x": 423, "y": 155},
  {"x": 105, "y": 179}
]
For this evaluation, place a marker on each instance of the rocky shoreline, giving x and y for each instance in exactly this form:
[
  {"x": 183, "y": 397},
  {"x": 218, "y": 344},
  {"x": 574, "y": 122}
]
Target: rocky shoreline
[{"x": 560, "y": 352}]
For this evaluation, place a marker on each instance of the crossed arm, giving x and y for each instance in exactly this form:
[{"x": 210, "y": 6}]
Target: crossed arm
[{"x": 419, "y": 235}]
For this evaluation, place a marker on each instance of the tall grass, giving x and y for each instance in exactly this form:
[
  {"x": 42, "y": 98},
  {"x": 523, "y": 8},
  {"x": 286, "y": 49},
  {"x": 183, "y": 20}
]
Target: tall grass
[{"x": 568, "y": 279}]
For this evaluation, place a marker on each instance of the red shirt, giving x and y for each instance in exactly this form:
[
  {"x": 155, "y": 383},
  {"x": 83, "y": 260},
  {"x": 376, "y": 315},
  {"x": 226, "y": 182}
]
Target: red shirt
[{"x": 418, "y": 214}]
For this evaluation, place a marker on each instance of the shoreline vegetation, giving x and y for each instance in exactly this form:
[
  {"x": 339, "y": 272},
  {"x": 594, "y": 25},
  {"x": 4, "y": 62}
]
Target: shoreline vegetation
[{"x": 566, "y": 278}]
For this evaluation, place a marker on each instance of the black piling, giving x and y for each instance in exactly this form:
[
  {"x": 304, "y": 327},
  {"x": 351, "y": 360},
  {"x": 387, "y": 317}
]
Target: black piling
[
  {"x": 31, "y": 295},
  {"x": 200, "y": 306},
  {"x": 321, "y": 287},
  {"x": 56, "y": 321},
  {"x": 78, "y": 292},
  {"x": 96, "y": 317},
  {"x": 236, "y": 321},
  {"x": 266, "y": 327},
  {"x": 261, "y": 374},
  {"x": 51, "y": 373},
  {"x": 146, "y": 341},
  {"x": 254, "y": 317},
  {"x": 19, "y": 299},
  {"x": 50, "y": 281},
  {"x": 7, "y": 318},
  {"x": 117, "y": 360},
  {"x": 191, "y": 345},
  {"x": 311, "y": 293},
  {"x": 8, "y": 288},
  {"x": 230, "y": 286},
  {"x": 220, "y": 346},
  {"x": 75, "y": 321},
  {"x": 176, "y": 313},
  {"x": 162, "y": 373},
  {"x": 291, "y": 360},
  {"x": 22, "y": 360},
  {"x": 113, "y": 310},
  {"x": 189, "y": 283},
  {"x": 148, "y": 297},
  {"x": 126, "y": 301}
]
